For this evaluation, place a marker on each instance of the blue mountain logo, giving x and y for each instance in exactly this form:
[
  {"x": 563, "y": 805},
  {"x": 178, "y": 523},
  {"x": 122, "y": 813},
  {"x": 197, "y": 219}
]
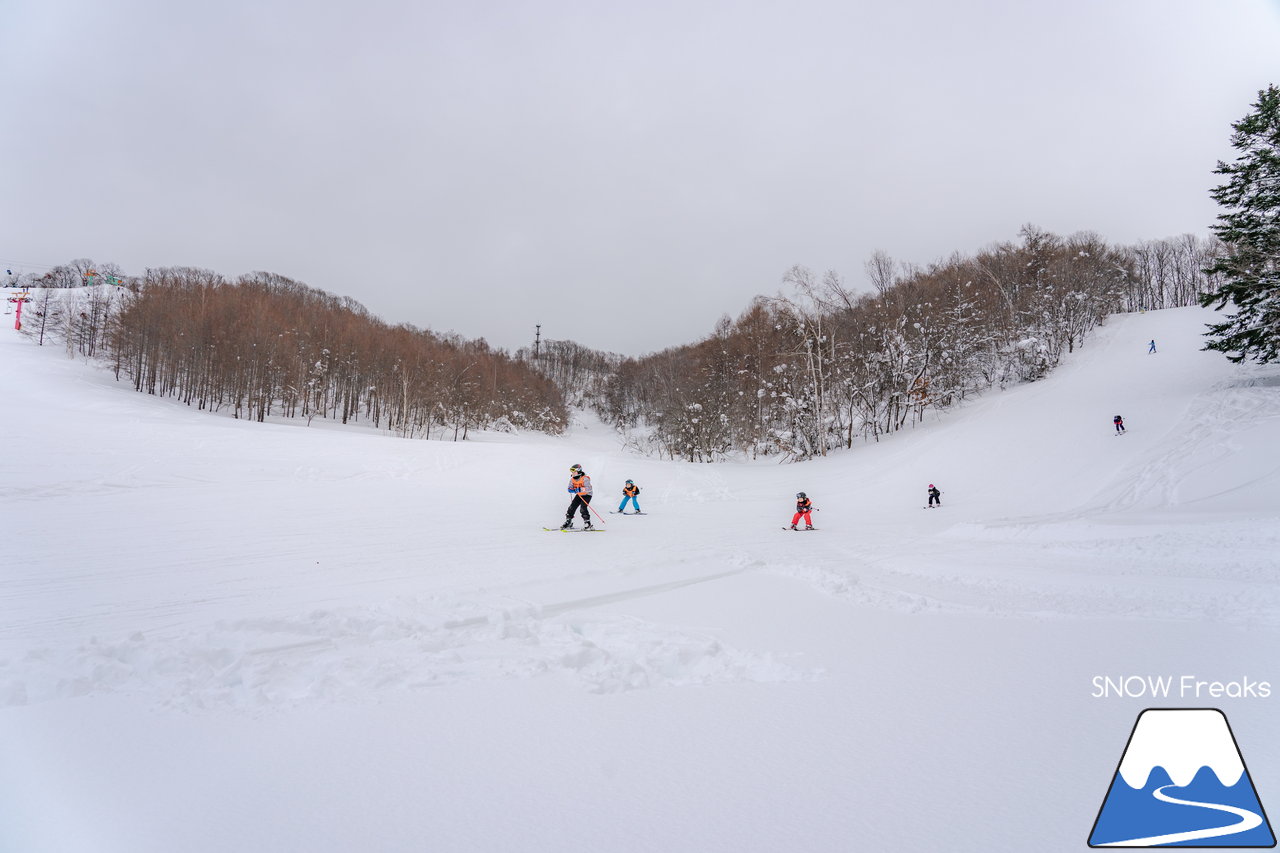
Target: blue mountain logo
[{"x": 1182, "y": 783}]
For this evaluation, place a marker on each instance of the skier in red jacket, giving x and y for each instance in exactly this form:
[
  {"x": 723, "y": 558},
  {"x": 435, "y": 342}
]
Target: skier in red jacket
[{"x": 804, "y": 506}]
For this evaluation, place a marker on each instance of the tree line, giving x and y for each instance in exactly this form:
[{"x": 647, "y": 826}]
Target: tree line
[
  {"x": 267, "y": 346},
  {"x": 825, "y": 365},
  {"x": 820, "y": 366}
]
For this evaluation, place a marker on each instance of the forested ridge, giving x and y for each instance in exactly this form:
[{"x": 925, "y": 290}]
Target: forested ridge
[
  {"x": 820, "y": 366},
  {"x": 265, "y": 345},
  {"x": 825, "y": 365}
]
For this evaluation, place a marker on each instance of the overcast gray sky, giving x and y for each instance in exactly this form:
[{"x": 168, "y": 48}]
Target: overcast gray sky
[{"x": 622, "y": 173}]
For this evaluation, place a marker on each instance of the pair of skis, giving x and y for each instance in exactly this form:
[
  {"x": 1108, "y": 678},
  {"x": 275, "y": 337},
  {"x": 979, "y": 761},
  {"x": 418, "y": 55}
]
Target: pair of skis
[{"x": 588, "y": 529}]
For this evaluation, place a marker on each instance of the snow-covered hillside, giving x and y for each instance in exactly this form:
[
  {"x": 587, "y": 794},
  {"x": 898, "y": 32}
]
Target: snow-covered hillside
[{"x": 219, "y": 635}]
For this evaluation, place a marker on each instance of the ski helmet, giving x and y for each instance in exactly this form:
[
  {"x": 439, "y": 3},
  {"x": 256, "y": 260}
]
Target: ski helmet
[
  {"x": 800, "y": 494},
  {"x": 931, "y": 485},
  {"x": 575, "y": 468},
  {"x": 629, "y": 483}
]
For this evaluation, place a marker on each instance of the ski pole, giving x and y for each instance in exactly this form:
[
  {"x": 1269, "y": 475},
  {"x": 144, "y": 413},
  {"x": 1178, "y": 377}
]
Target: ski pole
[{"x": 598, "y": 515}]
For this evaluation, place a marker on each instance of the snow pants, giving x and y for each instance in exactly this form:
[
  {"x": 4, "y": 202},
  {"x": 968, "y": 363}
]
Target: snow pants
[
  {"x": 579, "y": 502},
  {"x": 808, "y": 518},
  {"x": 622, "y": 506}
]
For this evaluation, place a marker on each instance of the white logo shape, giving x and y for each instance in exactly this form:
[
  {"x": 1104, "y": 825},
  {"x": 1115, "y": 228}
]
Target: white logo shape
[{"x": 1182, "y": 782}]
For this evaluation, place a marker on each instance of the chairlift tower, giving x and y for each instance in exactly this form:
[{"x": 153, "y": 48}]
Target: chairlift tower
[{"x": 20, "y": 299}]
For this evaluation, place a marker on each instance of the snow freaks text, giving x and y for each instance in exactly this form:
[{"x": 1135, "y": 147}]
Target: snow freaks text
[{"x": 1176, "y": 687}]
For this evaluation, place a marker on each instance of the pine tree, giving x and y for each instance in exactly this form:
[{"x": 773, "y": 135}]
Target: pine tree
[{"x": 1249, "y": 226}]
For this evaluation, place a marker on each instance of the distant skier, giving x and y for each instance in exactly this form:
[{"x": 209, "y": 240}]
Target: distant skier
[
  {"x": 804, "y": 507},
  {"x": 580, "y": 488},
  {"x": 1119, "y": 422},
  {"x": 1152, "y": 348},
  {"x": 629, "y": 493},
  {"x": 935, "y": 496}
]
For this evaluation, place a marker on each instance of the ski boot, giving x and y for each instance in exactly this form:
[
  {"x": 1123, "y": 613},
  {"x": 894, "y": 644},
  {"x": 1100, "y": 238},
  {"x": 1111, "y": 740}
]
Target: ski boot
[
  {"x": 568, "y": 524},
  {"x": 808, "y": 527},
  {"x": 587, "y": 526},
  {"x": 793, "y": 527}
]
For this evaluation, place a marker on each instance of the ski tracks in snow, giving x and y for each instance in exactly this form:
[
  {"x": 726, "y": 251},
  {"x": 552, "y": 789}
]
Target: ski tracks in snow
[
  {"x": 1208, "y": 436},
  {"x": 354, "y": 654}
]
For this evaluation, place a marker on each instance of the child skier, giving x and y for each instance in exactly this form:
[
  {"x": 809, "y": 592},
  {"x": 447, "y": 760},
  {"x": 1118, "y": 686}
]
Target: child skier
[
  {"x": 935, "y": 496},
  {"x": 629, "y": 493},
  {"x": 804, "y": 506},
  {"x": 1119, "y": 422},
  {"x": 1152, "y": 348},
  {"x": 580, "y": 488}
]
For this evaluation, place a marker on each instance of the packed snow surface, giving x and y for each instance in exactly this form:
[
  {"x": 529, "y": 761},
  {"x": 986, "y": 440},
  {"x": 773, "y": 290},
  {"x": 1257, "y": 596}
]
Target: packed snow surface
[{"x": 218, "y": 635}]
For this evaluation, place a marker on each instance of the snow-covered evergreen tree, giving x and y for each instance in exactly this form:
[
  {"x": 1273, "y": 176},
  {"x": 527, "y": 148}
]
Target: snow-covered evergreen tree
[{"x": 1249, "y": 225}]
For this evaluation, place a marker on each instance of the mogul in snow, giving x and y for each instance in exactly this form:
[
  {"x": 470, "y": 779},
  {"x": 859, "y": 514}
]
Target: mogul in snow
[
  {"x": 1119, "y": 422},
  {"x": 804, "y": 507},
  {"x": 580, "y": 488},
  {"x": 630, "y": 492},
  {"x": 935, "y": 496}
]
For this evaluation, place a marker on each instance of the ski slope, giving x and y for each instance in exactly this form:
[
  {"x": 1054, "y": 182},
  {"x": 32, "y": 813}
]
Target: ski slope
[{"x": 219, "y": 635}]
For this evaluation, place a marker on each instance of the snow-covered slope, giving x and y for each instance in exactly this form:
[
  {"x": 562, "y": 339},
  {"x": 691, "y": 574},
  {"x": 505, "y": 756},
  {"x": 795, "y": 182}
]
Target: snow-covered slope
[
  {"x": 223, "y": 635},
  {"x": 1201, "y": 426}
]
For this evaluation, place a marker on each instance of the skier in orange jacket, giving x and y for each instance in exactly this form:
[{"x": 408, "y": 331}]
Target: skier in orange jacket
[
  {"x": 580, "y": 488},
  {"x": 629, "y": 493}
]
